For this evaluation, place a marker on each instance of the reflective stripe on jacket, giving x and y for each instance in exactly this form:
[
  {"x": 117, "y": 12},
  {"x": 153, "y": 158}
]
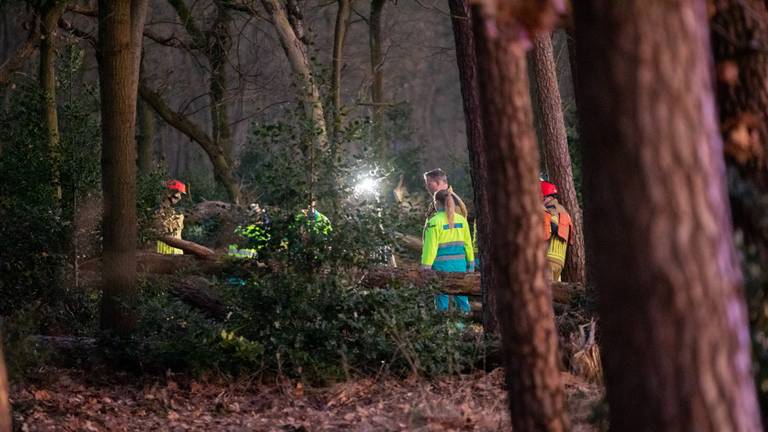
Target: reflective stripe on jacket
[
  {"x": 163, "y": 248},
  {"x": 447, "y": 249}
]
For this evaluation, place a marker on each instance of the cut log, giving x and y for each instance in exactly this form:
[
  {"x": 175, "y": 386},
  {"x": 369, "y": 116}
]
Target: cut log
[
  {"x": 189, "y": 247},
  {"x": 450, "y": 283}
]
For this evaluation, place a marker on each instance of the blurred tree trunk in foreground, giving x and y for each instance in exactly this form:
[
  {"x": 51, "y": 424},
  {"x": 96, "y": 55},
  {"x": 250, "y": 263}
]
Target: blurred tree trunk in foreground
[
  {"x": 466, "y": 59},
  {"x": 675, "y": 337},
  {"x": 556, "y": 155},
  {"x": 5, "y": 406},
  {"x": 524, "y": 300},
  {"x": 121, "y": 25}
]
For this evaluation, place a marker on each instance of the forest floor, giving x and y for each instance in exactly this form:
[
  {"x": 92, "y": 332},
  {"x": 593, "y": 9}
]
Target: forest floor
[{"x": 76, "y": 400}]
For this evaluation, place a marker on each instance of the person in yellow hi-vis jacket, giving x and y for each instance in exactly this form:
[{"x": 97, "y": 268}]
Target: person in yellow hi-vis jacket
[
  {"x": 448, "y": 245},
  {"x": 170, "y": 223},
  {"x": 557, "y": 229}
]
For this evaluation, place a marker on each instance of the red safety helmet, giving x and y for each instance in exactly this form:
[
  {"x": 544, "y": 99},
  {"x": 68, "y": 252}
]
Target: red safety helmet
[
  {"x": 547, "y": 188},
  {"x": 176, "y": 185}
]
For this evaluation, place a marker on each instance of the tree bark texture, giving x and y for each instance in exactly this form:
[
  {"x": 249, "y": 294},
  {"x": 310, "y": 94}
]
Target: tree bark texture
[
  {"x": 739, "y": 32},
  {"x": 5, "y": 405},
  {"x": 556, "y": 155},
  {"x": 49, "y": 26},
  {"x": 121, "y": 25},
  {"x": 222, "y": 169},
  {"x": 674, "y": 325},
  {"x": 377, "y": 74},
  {"x": 524, "y": 299},
  {"x": 466, "y": 60},
  {"x": 147, "y": 125}
]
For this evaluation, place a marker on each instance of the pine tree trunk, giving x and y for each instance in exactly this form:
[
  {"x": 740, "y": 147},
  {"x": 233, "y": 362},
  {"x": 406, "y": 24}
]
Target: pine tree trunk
[
  {"x": 121, "y": 23},
  {"x": 466, "y": 59},
  {"x": 377, "y": 86},
  {"x": 556, "y": 155},
  {"x": 47, "y": 76},
  {"x": 5, "y": 405},
  {"x": 675, "y": 336},
  {"x": 524, "y": 300}
]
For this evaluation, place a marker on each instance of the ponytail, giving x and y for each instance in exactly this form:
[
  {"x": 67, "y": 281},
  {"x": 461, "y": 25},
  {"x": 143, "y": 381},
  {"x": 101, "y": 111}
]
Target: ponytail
[
  {"x": 446, "y": 199},
  {"x": 450, "y": 209}
]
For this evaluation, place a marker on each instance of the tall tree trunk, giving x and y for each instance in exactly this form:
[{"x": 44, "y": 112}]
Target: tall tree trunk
[
  {"x": 466, "y": 59},
  {"x": 147, "y": 125},
  {"x": 674, "y": 321},
  {"x": 556, "y": 155},
  {"x": 121, "y": 25},
  {"x": 220, "y": 43},
  {"x": 339, "y": 38},
  {"x": 5, "y": 405},
  {"x": 377, "y": 86},
  {"x": 49, "y": 25},
  {"x": 739, "y": 30},
  {"x": 524, "y": 299}
]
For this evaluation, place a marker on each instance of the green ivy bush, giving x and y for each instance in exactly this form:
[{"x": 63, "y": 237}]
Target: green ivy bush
[{"x": 318, "y": 328}]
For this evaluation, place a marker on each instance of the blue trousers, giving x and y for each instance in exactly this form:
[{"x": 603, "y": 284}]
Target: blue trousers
[{"x": 462, "y": 302}]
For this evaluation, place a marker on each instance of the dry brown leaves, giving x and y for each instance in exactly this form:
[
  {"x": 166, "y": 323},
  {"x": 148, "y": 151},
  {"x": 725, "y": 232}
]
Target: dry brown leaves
[{"x": 70, "y": 400}]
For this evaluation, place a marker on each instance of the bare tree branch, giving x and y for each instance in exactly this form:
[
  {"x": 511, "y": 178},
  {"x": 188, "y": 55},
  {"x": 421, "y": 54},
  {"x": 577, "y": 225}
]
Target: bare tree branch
[
  {"x": 221, "y": 166},
  {"x": 82, "y": 10},
  {"x": 179, "y": 121},
  {"x": 170, "y": 41},
  {"x": 249, "y": 9}
]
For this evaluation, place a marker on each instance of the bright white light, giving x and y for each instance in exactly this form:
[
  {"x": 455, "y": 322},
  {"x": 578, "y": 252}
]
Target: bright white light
[{"x": 367, "y": 186}]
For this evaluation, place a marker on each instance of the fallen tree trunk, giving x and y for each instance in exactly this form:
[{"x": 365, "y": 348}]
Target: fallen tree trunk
[
  {"x": 197, "y": 291},
  {"x": 189, "y": 247},
  {"x": 450, "y": 283}
]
